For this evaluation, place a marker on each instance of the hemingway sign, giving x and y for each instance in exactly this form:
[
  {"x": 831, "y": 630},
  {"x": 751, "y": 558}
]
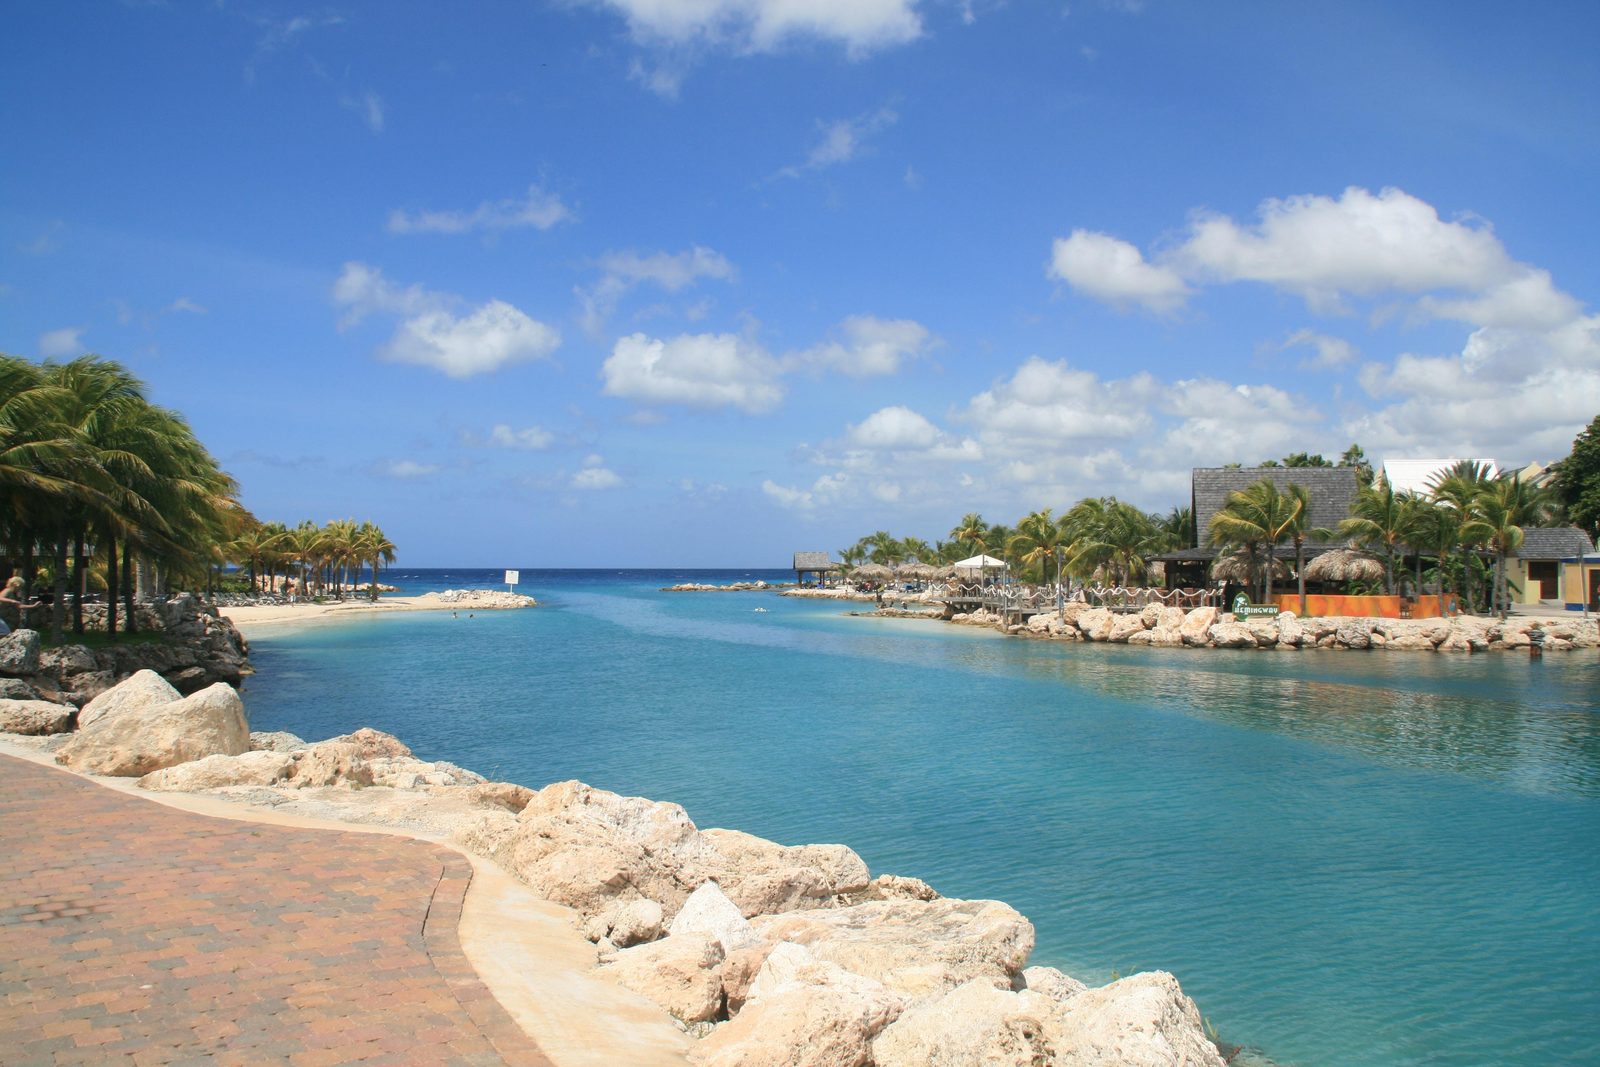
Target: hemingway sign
[{"x": 1243, "y": 609}]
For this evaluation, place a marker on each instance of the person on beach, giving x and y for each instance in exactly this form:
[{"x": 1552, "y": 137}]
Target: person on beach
[{"x": 9, "y": 595}]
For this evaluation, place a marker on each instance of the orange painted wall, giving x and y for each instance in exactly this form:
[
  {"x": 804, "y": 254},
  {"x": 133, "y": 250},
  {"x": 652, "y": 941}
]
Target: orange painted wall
[{"x": 1378, "y": 607}]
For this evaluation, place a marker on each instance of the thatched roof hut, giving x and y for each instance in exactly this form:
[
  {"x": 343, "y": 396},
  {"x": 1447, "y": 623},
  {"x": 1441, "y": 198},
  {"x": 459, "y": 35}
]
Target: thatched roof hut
[
  {"x": 1344, "y": 565},
  {"x": 872, "y": 572},
  {"x": 916, "y": 570},
  {"x": 1240, "y": 566}
]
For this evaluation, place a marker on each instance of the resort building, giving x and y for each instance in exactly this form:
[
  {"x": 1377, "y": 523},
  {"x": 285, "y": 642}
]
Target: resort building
[
  {"x": 816, "y": 564},
  {"x": 1418, "y": 475},
  {"x": 1555, "y": 567}
]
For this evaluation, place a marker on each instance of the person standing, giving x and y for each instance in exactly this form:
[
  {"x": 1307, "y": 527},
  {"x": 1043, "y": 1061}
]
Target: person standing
[{"x": 10, "y": 596}]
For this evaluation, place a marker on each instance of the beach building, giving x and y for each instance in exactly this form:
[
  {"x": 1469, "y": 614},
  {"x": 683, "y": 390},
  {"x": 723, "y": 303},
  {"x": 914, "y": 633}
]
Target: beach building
[
  {"x": 1332, "y": 490},
  {"x": 1417, "y": 475},
  {"x": 1555, "y": 567},
  {"x": 817, "y": 564}
]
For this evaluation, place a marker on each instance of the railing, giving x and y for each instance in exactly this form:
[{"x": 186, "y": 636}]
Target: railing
[{"x": 1034, "y": 599}]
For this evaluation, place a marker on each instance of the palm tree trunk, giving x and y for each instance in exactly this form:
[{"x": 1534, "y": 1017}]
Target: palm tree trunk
[
  {"x": 58, "y": 610},
  {"x": 1501, "y": 589},
  {"x": 78, "y": 581},
  {"x": 1266, "y": 576},
  {"x": 1300, "y": 572},
  {"x": 130, "y": 623},
  {"x": 1443, "y": 559},
  {"x": 109, "y": 539},
  {"x": 1388, "y": 569}
]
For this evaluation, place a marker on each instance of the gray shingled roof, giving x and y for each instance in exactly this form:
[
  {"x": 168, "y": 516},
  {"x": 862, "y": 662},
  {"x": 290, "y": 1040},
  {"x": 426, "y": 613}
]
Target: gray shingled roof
[
  {"x": 814, "y": 561},
  {"x": 1332, "y": 491},
  {"x": 1558, "y": 542}
]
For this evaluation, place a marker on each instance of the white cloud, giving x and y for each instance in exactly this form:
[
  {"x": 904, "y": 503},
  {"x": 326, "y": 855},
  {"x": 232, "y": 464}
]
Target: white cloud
[
  {"x": 595, "y": 475},
  {"x": 763, "y": 25},
  {"x": 1053, "y": 403},
  {"x": 529, "y": 439},
  {"x": 406, "y": 468},
  {"x": 1330, "y": 353},
  {"x": 368, "y": 105},
  {"x": 696, "y": 370},
  {"x": 538, "y": 209},
  {"x": 432, "y": 334},
  {"x": 673, "y": 272},
  {"x": 870, "y": 346},
  {"x": 1115, "y": 271},
  {"x": 894, "y": 428},
  {"x": 183, "y": 303},
  {"x": 842, "y": 140},
  {"x": 64, "y": 343}
]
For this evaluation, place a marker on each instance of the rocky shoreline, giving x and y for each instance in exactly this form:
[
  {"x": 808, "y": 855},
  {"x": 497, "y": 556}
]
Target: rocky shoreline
[
  {"x": 768, "y": 954},
  {"x": 730, "y": 587}
]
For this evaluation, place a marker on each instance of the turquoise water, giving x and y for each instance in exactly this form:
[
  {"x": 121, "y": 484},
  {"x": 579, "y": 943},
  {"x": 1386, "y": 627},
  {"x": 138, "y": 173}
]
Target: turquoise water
[{"x": 1347, "y": 858}]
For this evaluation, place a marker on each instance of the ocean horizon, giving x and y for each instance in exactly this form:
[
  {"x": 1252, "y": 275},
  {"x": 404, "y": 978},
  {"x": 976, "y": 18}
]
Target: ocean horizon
[{"x": 1346, "y": 858}]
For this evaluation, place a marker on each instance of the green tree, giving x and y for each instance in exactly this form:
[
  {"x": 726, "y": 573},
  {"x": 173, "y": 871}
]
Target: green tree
[
  {"x": 1304, "y": 459},
  {"x": 1256, "y": 518},
  {"x": 1035, "y": 542},
  {"x": 1378, "y": 517},
  {"x": 1494, "y": 522},
  {"x": 1577, "y": 480}
]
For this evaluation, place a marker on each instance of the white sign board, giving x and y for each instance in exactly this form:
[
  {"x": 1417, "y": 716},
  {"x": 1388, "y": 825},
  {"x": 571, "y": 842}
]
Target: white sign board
[{"x": 513, "y": 577}]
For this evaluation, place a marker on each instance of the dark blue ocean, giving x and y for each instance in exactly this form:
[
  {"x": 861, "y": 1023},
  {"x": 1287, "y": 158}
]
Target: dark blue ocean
[{"x": 1347, "y": 858}]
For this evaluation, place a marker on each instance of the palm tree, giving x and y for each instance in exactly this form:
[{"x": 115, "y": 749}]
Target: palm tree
[
  {"x": 918, "y": 549},
  {"x": 1378, "y": 517},
  {"x": 374, "y": 548},
  {"x": 1438, "y": 527},
  {"x": 256, "y": 543},
  {"x": 1035, "y": 542},
  {"x": 1105, "y": 532},
  {"x": 1257, "y": 517},
  {"x": 971, "y": 531},
  {"x": 1457, "y": 487},
  {"x": 883, "y": 548},
  {"x": 1494, "y": 521}
]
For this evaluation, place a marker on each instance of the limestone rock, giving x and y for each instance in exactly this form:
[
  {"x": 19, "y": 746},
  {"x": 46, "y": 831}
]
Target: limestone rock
[
  {"x": 974, "y": 1025},
  {"x": 329, "y": 763},
  {"x": 1142, "y": 637},
  {"x": 275, "y": 741},
  {"x": 1125, "y": 626},
  {"x": 1290, "y": 630},
  {"x": 1169, "y": 618},
  {"x": 1144, "y": 1020},
  {"x": 132, "y": 742},
  {"x": 64, "y": 661},
  {"x": 1074, "y": 610},
  {"x": 35, "y": 717},
  {"x": 918, "y": 949},
  {"x": 372, "y": 744},
  {"x": 1231, "y": 635},
  {"x": 628, "y": 924},
  {"x": 217, "y": 772},
  {"x": 507, "y": 795},
  {"x": 1096, "y": 624},
  {"x": 1150, "y": 616},
  {"x": 1353, "y": 634},
  {"x": 709, "y": 911},
  {"x": 802, "y": 1010},
  {"x": 896, "y": 887},
  {"x": 17, "y": 689},
  {"x": 134, "y": 695},
  {"x": 681, "y": 974},
  {"x": 1265, "y": 632},
  {"x": 1196, "y": 628},
  {"x": 19, "y": 652},
  {"x": 763, "y": 876},
  {"x": 1055, "y": 984}
]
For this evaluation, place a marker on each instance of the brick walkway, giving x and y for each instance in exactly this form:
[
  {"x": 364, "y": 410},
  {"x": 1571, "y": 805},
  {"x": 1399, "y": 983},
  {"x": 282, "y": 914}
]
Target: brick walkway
[{"x": 131, "y": 932}]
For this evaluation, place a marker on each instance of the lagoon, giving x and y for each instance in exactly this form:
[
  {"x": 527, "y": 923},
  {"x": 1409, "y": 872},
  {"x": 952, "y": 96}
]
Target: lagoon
[{"x": 1346, "y": 858}]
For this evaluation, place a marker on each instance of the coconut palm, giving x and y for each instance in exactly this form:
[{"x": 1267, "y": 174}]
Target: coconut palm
[
  {"x": 1257, "y": 517},
  {"x": 1378, "y": 516},
  {"x": 971, "y": 532},
  {"x": 1035, "y": 542},
  {"x": 375, "y": 549},
  {"x": 1106, "y": 532},
  {"x": 1457, "y": 487},
  {"x": 1494, "y": 522}
]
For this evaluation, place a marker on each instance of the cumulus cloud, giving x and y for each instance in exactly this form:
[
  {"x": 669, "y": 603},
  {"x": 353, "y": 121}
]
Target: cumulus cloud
[
  {"x": 894, "y": 428},
  {"x": 1328, "y": 353},
  {"x": 694, "y": 370},
  {"x": 595, "y": 475},
  {"x": 869, "y": 346},
  {"x": 407, "y": 469},
  {"x": 538, "y": 209},
  {"x": 763, "y": 25},
  {"x": 528, "y": 439},
  {"x": 623, "y": 271},
  {"x": 1115, "y": 271},
  {"x": 433, "y": 333},
  {"x": 64, "y": 343},
  {"x": 842, "y": 140}
]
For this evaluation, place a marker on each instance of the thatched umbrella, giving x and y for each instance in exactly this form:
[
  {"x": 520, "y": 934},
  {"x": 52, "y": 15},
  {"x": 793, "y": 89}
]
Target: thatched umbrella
[
  {"x": 946, "y": 572},
  {"x": 1344, "y": 565},
  {"x": 1240, "y": 566},
  {"x": 915, "y": 570},
  {"x": 872, "y": 572}
]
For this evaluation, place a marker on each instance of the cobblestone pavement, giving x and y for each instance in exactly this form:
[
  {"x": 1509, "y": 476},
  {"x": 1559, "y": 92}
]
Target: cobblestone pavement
[{"x": 131, "y": 932}]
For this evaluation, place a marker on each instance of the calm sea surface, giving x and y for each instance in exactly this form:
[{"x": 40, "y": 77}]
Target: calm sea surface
[{"x": 1347, "y": 858}]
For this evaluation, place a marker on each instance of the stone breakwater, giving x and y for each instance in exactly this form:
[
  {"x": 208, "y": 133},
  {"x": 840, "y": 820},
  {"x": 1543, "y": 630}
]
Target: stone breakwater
[
  {"x": 1209, "y": 628},
  {"x": 479, "y": 599},
  {"x": 769, "y": 954},
  {"x": 730, "y": 587},
  {"x": 186, "y": 641}
]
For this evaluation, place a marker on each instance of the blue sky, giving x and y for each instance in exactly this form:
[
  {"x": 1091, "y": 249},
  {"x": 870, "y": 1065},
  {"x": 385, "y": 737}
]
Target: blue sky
[{"x": 702, "y": 282}]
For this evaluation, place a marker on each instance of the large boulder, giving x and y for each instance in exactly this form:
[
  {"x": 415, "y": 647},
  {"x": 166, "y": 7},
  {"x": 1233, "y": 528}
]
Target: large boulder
[
  {"x": 133, "y": 743},
  {"x": 1196, "y": 628},
  {"x": 802, "y": 1012},
  {"x": 373, "y": 744},
  {"x": 1096, "y": 623},
  {"x": 588, "y": 849},
  {"x": 19, "y": 652},
  {"x": 709, "y": 911},
  {"x": 974, "y": 1025},
  {"x": 1144, "y": 1020},
  {"x": 918, "y": 949},
  {"x": 1053, "y": 983},
  {"x": 1125, "y": 626},
  {"x": 35, "y": 717},
  {"x": 329, "y": 763},
  {"x": 219, "y": 772},
  {"x": 1354, "y": 634},
  {"x": 1231, "y": 635},
  {"x": 134, "y": 695},
  {"x": 624, "y": 925},
  {"x": 681, "y": 974},
  {"x": 17, "y": 689}
]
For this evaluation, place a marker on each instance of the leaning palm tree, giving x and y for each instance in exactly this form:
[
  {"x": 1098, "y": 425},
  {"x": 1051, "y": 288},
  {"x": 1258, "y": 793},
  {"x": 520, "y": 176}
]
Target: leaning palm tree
[
  {"x": 1494, "y": 523},
  {"x": 1378, "y": 517},
  {"x": 1258, "y": 517}
]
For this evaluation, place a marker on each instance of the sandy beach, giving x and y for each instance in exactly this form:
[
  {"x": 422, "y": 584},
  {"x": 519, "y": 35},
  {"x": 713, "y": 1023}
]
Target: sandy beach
[{"x": 254, "y": 618}]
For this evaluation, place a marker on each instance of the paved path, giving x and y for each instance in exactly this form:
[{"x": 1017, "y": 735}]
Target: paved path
[{"x": 131, "y": 932}]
